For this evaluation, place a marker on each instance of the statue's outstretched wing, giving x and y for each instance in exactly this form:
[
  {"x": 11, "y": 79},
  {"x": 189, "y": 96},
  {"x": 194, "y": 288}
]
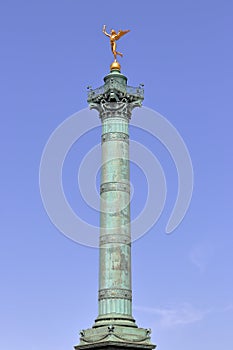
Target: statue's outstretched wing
[{"x": 121, "y": 33}]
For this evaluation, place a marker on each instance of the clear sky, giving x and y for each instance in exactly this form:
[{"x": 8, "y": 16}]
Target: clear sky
[{"x": 182, "y": 283}]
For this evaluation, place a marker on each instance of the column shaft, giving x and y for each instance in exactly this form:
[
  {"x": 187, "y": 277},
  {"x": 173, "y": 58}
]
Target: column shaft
[{"x": 115, "y": 296}]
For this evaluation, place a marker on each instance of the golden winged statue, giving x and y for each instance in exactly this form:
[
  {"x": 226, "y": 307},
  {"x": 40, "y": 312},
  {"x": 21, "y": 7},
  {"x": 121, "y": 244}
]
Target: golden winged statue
[{"x": 114, "y": 36}]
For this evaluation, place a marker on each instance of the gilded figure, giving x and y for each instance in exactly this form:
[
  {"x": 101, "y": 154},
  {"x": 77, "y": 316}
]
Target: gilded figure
[{"x": 114, "y": 36}]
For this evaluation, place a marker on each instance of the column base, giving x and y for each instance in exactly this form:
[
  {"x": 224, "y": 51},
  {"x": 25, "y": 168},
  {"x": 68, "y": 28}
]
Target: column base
[
  {"x": 115, "y": 319},
  {"x": 110, "y": 331},
  {"x": 112, "y": 345}
]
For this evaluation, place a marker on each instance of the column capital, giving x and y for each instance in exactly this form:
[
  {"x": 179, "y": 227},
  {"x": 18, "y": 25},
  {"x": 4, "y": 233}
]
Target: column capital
[
  {"x": 115, "y": 98},
  {"x": 121, "y": 109}
]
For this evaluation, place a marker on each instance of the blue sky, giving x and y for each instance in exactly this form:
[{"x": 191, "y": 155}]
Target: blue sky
[{"x": 182, "y": 283}]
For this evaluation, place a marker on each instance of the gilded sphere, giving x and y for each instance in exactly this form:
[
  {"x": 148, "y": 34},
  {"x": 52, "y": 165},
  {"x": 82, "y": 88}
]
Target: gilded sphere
[{"x": 115, "y": 65}]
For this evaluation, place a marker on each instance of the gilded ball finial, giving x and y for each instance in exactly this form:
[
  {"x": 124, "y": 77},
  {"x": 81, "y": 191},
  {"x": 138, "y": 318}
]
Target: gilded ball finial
[{"x": 115, "y": 66}]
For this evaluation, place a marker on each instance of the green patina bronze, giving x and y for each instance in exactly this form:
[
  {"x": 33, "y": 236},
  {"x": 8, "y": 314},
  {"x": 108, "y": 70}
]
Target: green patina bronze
[{"x": 115, "y": 326}]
